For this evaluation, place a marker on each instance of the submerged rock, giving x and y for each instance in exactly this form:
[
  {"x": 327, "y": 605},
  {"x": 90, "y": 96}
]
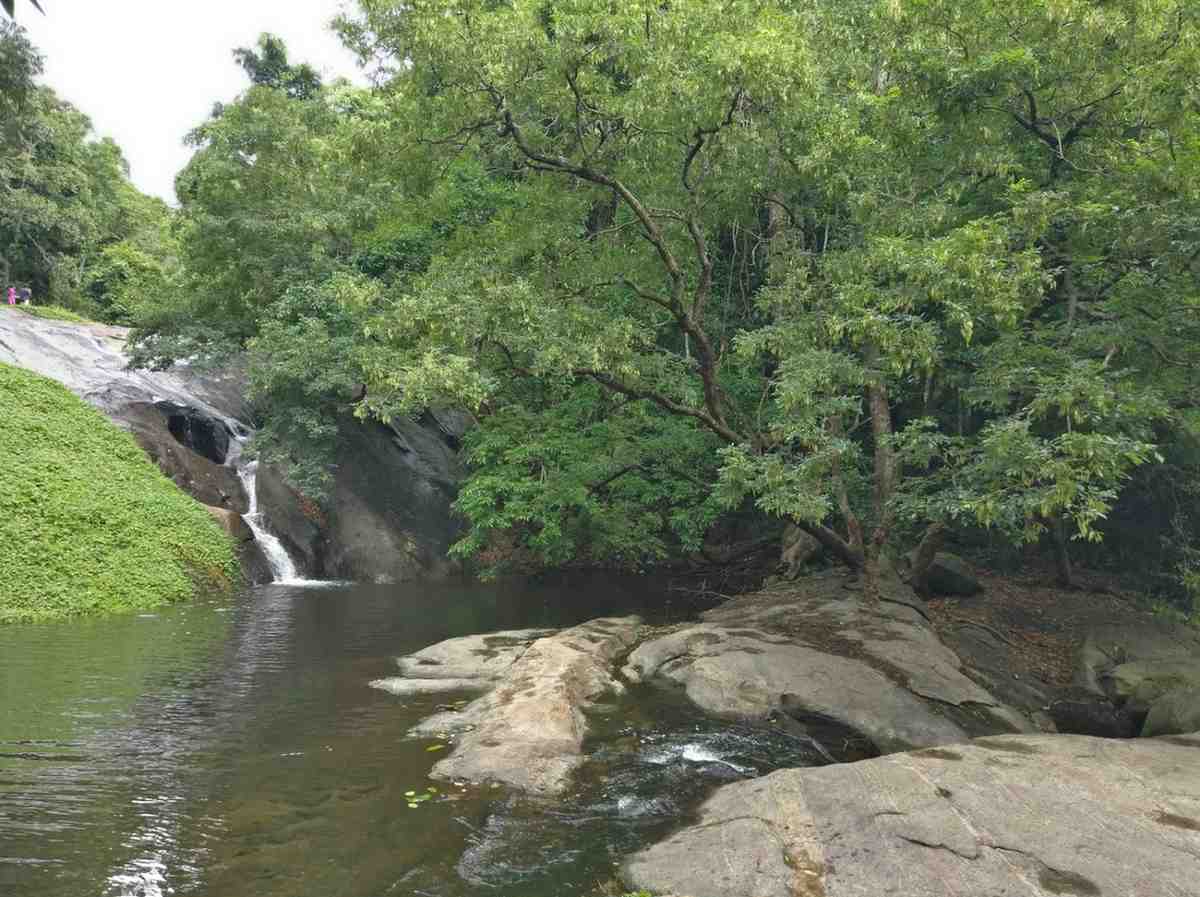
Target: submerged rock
[
  {"x": 1034, "y": 816},
  {"x": 528, "y": 730},
  {"x": 818, "y": 649}
]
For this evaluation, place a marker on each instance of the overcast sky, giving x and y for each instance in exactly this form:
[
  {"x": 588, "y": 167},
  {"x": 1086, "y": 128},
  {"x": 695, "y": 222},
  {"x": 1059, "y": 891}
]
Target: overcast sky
[{"x": 148, "y": 71}]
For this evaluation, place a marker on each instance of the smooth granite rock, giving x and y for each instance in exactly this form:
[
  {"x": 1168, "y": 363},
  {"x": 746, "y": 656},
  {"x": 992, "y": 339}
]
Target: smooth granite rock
[
  {"x": 1010, "y": 816},
  {"x": 819, "y": 648},
  {"x": 527, "y": 731}
]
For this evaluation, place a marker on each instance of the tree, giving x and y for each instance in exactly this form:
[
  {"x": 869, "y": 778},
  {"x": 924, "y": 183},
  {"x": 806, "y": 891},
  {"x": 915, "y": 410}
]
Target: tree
[
  {"x": 269, "y": 67},
  {"x": 871, "y": 252},
  {"x": 66, "y": 195}
]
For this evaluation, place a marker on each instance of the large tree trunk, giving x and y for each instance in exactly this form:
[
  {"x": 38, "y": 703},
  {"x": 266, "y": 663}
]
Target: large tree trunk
[
  {"x": 885, "y": 471},
  {"x": 1062, "y": 552}
]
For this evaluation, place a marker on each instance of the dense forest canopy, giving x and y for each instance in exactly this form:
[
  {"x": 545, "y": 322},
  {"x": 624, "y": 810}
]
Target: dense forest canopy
[{"x": 888, "y": 270}]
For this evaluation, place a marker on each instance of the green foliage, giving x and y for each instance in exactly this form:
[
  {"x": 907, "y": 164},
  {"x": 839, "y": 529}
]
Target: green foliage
[
  {"x": 580, "y": 477},
  {"x": 302, "y": 368},
  {"x": 91, "y": 525},
  {"x": 972, "y": 223},
  {"x": 877, "y": 268},
  {"x": 268, "y": 66}
]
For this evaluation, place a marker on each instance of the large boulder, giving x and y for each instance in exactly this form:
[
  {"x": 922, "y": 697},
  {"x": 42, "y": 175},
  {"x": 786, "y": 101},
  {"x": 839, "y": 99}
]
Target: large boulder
[
  {"x": 1176, "y": 711},
  {"x": 391, "y": 519},
  {"x": 1013, "y": 816},
  {"x": 1137, "y": 666},
  {"x": 1138, "y": 684},
  {"x": 528, "y": 730},
  {"x": 950, "y": 575},
  {"x": 820, "y": 649},
  {"x": 208, "y": 481}
]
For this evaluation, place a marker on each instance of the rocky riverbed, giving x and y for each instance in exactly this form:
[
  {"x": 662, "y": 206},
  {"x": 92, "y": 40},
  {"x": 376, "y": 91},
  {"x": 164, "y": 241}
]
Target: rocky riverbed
[{"x": 970, "y": 790}]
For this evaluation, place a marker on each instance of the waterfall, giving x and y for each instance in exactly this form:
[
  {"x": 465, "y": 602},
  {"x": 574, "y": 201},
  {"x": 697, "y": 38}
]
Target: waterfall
[{"x": 282, "y": 567}]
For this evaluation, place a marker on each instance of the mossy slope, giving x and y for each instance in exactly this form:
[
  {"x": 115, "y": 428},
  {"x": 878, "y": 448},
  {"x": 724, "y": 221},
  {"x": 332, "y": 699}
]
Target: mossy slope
[{"x": 87, "y": 522}]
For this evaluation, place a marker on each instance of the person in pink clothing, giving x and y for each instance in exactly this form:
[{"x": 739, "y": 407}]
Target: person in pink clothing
[{"x": 12, "y": 295}]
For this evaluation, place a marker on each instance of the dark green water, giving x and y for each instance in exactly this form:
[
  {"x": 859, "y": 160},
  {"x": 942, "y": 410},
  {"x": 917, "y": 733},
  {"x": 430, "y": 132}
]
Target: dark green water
[{"x": 235, "y": 749}]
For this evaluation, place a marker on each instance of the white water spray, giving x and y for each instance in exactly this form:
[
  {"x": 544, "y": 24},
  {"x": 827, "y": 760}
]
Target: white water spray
[{"x": 282, "y": 567}]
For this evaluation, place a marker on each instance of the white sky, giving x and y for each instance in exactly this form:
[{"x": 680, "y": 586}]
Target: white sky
[{"x": 147, "y": 71}]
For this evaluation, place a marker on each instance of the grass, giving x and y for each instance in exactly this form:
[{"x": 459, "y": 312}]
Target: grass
[
  {"x": 57, "y": 313},
  {"x": 89, "y": 523}
]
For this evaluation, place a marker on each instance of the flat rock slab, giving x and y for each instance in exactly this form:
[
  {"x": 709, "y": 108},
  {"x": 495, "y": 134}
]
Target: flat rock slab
[
  {"x": 528, "y": 730},
  {"x": 817, "y": 648},
  {"x": 1006, "y": 816},
  {"x": 461, "y": 664}
]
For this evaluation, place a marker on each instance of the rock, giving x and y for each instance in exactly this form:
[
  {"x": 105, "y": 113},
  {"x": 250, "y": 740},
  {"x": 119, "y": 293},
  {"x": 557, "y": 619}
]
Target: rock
[
  {"x": 292, "y": 519},
  {"x": 205, "y": 480},
  {"x": 1012, "y": 816},
  {"x": 1176, "y": 712},
  {"x": 1138, "y": 684},
  {"x": 799, "y": 548},
  {"x": 1107, "y": 646},
  {"x": 465, "y": 663},
  {"x": 256, "y": 569},
  {"x": 528, "y": 731},
  {"x": 232, "y": 523},
  {"x": 205, "y": 434},
  {"x": 405, "y": 686},
  {"x": 391, "y": 519},
  {"x": 818, "y": 649},
  {"x": 950, "y": 575},
  {"x": 1138, "y": 666},
  {"x": 1087, "y": 715}
]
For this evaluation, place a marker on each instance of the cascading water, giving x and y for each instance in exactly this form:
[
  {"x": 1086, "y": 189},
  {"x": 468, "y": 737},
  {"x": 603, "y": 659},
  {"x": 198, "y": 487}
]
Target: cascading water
[{"x": 282, "y": 567}]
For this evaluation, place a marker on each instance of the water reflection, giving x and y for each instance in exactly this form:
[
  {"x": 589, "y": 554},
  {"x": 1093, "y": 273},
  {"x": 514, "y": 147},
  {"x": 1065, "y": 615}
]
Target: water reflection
[{"x": 232, "y": 749}]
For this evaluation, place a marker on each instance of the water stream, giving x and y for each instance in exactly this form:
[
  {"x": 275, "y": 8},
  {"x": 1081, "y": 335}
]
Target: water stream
[
  {"x": 282, "y": 567},
  {"x": 227, "y": 748}
]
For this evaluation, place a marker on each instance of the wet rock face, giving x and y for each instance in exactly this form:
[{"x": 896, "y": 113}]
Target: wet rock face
[
  {"x": 819, "y": 649},
  {"x": 204, "y": 434},
  {"x": 528, "y": 730},
  {"x": 1034, "y": 816},
  {"x": 391, "y": 519}
]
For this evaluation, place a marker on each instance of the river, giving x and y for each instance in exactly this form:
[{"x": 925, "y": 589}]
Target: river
[{"x": 234, "y": 748}]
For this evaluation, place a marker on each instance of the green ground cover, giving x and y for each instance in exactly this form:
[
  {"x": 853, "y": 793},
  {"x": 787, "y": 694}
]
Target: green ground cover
[
  {"x": 88, "y": 523},
  {"x": 53, "y": 312}
]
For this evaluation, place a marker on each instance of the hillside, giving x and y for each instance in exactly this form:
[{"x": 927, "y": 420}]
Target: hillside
[{"x": 89, "y": 523}]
